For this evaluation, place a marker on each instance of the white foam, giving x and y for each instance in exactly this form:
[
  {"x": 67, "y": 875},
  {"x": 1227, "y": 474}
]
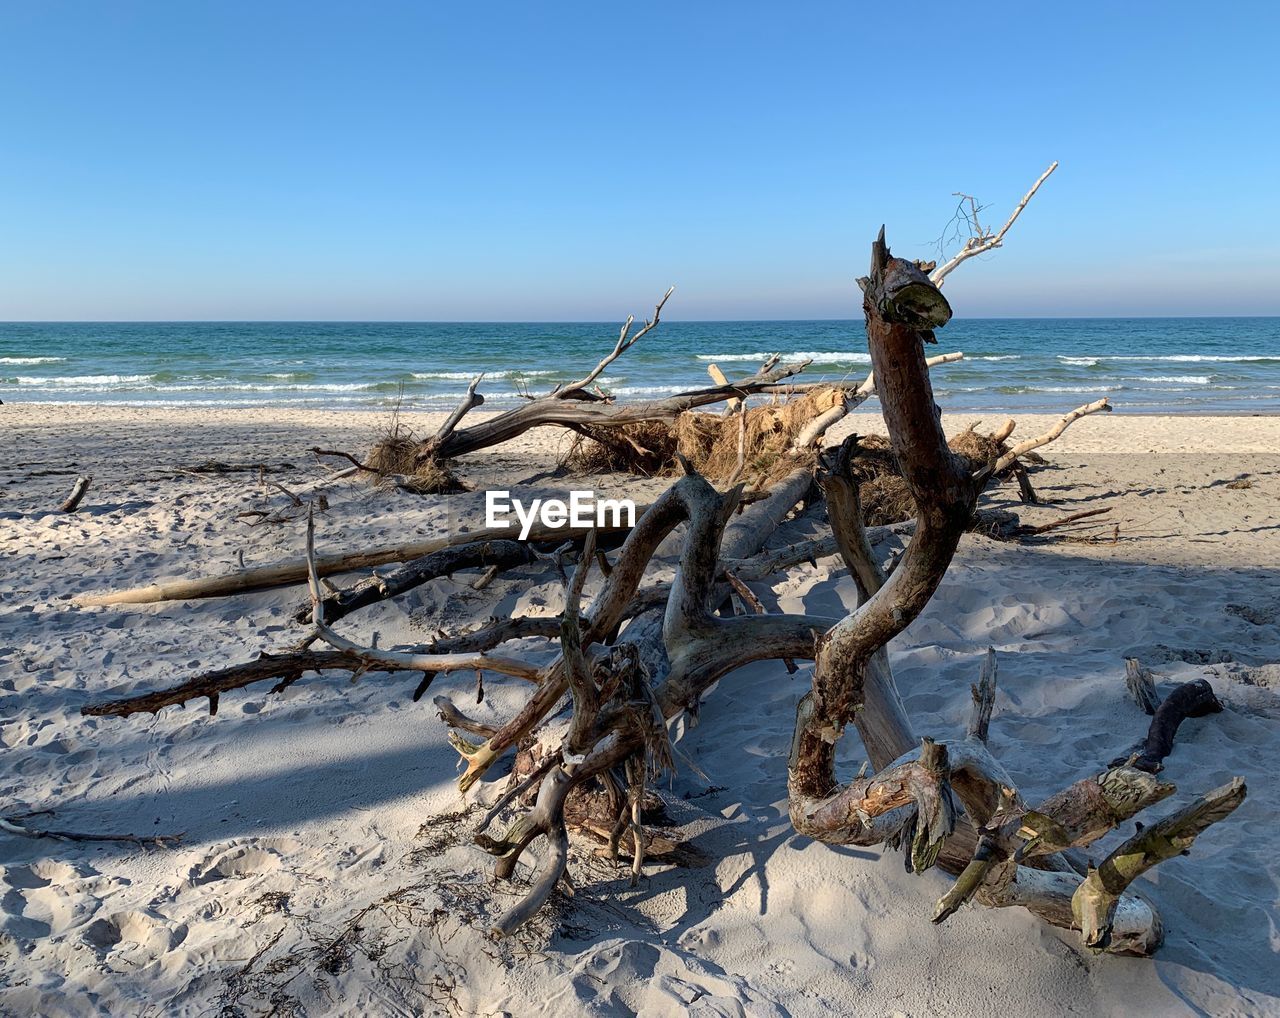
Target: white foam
[
  {"x": 81, "y": 380},
  {"x": 817, "y": 357},
  {"x": 1186, "y": 357},
  {"x": 1083, "y": 362},
  {"x": 646, "y": 390},
  {"x": 1072, "y": 388},
  {"x": 1180, "y": 379},
  {"x": 32, "y": 360},
  {"x": 468, "y": 375},
  {"x": 111, "y": 383},
  {"x": 997, "y": 357}
]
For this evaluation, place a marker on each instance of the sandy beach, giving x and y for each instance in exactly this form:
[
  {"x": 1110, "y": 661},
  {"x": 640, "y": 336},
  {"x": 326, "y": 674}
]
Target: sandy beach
[{"x": 325, "y": 860}]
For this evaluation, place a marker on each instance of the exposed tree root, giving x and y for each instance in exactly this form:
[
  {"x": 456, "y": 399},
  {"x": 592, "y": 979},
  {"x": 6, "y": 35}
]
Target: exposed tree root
[{"x": 593, "y": 732}]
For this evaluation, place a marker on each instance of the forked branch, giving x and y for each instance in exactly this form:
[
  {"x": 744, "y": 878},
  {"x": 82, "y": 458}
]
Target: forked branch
[{"x": 982, "y": 241}]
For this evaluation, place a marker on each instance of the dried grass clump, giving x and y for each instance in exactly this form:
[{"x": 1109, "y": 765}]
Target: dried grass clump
[
  {"x": 431, "y": 477},
  {"x": 395, "y": 447},
  {"x": 882, "y": 491},
  {"x": 709, "y": 441},
  {"x": 647, "y": 447},
  {"x": 977, "y": 450},
  {"x": 393, "y": 454},
  {"x": 394, "y": 460},
  {"x": 885, "y": 499},
  {"x": 712, "y": 442}
]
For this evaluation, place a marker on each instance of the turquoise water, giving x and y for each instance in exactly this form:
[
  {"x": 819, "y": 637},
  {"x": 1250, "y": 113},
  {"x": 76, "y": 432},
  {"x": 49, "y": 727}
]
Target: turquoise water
[{"x": 1192, "y": 365}]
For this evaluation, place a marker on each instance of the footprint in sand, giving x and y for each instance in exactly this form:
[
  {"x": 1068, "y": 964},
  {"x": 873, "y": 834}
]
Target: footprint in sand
[
  {"x": 244, "y": 859},
  {"x": 134, "y": 932},
  {"x": 47, "y": 898}
]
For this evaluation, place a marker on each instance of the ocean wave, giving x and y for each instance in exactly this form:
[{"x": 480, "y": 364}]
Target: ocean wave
[
  {"x": 32, "y": 360},
  {"x": 147, "y": 383},
  {"x": 646, "y": 390},
  {"x": 1197, "y": 357},
  {"x": 1019, "y": 390},
  {"x": 81, "y": 380},
  {"x": 817, "y": 357},
  {"x": 1179, "y": 379},
  {"x": 995, "y": 357},
  {"x": 1082, "y": 362},
  {"x": 1191, "y": 358},
  {"x": 468, "y": 375},
  {"x": 164, "y": 381}
]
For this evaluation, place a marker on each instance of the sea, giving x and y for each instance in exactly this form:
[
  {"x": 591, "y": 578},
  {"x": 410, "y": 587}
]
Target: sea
[{"x": 1145, "y": 365}]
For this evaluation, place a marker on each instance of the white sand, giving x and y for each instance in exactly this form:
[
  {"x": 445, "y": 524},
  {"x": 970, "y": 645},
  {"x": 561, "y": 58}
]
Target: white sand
[{"x": 316, "y": 871}]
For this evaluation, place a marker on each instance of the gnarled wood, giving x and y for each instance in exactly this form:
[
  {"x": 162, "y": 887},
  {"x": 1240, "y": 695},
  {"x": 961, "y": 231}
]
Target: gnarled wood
[
  {"x": 637, "y": 657},
  {"x": 1193, "y": 699},
  {"x": 1095, "y": 901},
  {"x": 984, "y": 698},
  {"x": 1141, "y": 685}
]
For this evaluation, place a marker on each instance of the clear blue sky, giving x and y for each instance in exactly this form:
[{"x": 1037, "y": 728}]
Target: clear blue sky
[{"x": 228, "y": 160}]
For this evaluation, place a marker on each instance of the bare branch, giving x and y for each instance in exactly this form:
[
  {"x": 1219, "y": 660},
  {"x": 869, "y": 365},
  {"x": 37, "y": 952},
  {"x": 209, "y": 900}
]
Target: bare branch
[
  {"x": 1022, "y": 448},
  {"x": 984, "y": 241},
  {"x": 625, "y": 342},
  {"x": 12, "y": 826},
  {"x": 812, "y": 432},
  {"x": 396, "y": 659}
]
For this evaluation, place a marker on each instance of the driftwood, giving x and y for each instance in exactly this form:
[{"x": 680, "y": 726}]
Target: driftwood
[
  {"x": 294, "y": 571},
  {"x": 287, "y": 668},
  {"x": 500, "y": 554},
  {"x": 1190, "y": 700},
  {"x": 982, "y": 240},
  {"x": 1065, "y": 521},
  {"x": 14, "y": 825},
  {"x": 1095, "y": 902},
  {"x": 72, "y": 501},
  {"x": 984, "y": 698},
  {"x": 1141, "y": 685},
  {"x": 633, "y": 658}
]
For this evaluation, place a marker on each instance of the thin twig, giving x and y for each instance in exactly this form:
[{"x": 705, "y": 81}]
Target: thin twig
[{"x": 984, "y": 241}]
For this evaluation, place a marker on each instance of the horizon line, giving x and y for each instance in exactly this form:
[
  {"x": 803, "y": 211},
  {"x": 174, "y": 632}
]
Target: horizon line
[{"x": 579, "y": 321}]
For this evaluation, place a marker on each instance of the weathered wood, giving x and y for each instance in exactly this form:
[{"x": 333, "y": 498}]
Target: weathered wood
[
  {"x": 984, "y": 698},
  {"x": 982, "y": 241},
  {"x": 1094, "y": 903},
  {"x": 287, "y": 668},
  {"x": 14, "y": 825},
  {"x": 1141, "y": 685},
  {"x": 293, "y": 571},
  {"x": 1022, "y": 448},
  {"x": 882, "y": 722},
  {"x": 574, "y": 408},
  {"x": 1192, "y": 699},
  {"x": 812, "y": 433},
  {"x": 401, "y": 660},
  {"x": 72, "y": 501},
  {"x": 902, "y": 308},
  {"x": 501, "y": 554},
  {"x": 1082, "y": 813},
  {"x": 1136, "y": 927},
  {"x": 679, "y": 640}
]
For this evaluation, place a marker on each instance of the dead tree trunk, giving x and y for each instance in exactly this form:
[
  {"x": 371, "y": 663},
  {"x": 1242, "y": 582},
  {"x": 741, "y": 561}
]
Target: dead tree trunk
[{"x": 633, "y": 659}]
